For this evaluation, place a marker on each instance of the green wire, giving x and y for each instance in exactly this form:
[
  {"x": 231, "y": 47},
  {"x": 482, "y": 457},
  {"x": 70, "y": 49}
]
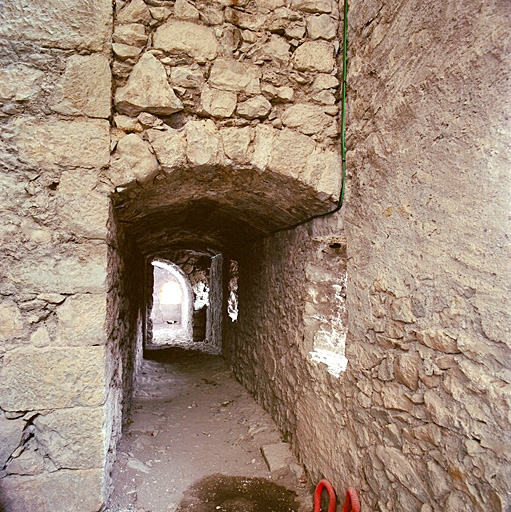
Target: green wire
[{"x": 343, "y": 100}]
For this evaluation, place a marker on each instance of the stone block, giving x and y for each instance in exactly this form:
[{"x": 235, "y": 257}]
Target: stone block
[
  {"x": 85, "y": 88},
  {"x": 84, "y": 271},
  {"x": 315, "y": 56},
  {"x": 231, "y": 75},
  {"x": 30, "y": 462},
  {"x": 253, "y": 108},
  {"x": 50, "y": 378},
  {"x": 125, "y": 51},
  {"x": 60, "y": 491},
  {"x": 218, "y": 103},
  {"x": 11, "y": 432},
  {"x": 394, "y": 398},
  {"x": 11, "y": 324},
  {"x": 81, "y": 320},
  {"x": 132, "y": 34},
  {"x": 169, "y": 147},
  {"x": 312, "y": 5},
  {"x": 133, "y": 160},
  {"x": 325, "y": 81},
  {"x": 396, "y": 463},
  {"x": 135, "y": 11},
  {"x": 263, "y": 145},
  {"x": 203, "y": 145},
  {"x": 195, "y": 40},
  {"x": 147, "y": 90},
  {"x": 236, "y": 142},
  {"x": 184, "y": 10},
  {"x": 438, "y": 340},
  {"x": 277, "y": 456},
  {"x": 77, "y": 143},
  {"x": 59, "y": 23},
  {"x": 406, "y": 369},
  {"x": 19, "y": 82},
  {"x": 72, "y": 438},
  {"x": 323, "y": 172},
  {"x": 306, "y": 118},
  {"x": 184, "y": 76},
  {"x": 321, "y": 27},
  {"x": 290, "y": 153}
]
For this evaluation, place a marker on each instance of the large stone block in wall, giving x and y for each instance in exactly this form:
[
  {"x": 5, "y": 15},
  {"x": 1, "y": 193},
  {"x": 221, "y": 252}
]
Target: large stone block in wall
[
  {"x": 61, "y": 491},
  {"x": 147, "y": 90},
  {"x": 82, "y": 270},
  {"x": 10, "y": 435},
  {"x": 58, "y": 23},
  {"x": 51, "y": 378},
  {"x": 231, "y": 75},
  {"x": 85, "y": 88},
  {"x": 80, "y": 143},
  {"x": 19, "y": 82},
  {"x": 81, "y": 320},
  {"x": 72, "y": 438},
  {"x": 195, "y": 40}
]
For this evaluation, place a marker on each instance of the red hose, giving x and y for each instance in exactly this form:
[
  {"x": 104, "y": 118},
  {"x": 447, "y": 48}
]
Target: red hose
[
  {"x": 324, "y": 484},
  {"x": 351, "y": 504}
]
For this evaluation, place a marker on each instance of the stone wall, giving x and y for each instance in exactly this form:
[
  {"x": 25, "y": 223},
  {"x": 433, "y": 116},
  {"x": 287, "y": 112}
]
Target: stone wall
[
  {"x": 420, "y": 419},
  {"x": 54, "y": 145}
]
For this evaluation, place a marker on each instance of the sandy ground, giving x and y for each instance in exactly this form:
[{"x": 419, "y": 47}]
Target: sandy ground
[{"x": 191, "y": 419}]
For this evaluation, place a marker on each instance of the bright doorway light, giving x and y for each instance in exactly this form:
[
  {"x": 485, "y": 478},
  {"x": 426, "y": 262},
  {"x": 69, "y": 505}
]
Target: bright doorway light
[{"x": 171, "y": 293}]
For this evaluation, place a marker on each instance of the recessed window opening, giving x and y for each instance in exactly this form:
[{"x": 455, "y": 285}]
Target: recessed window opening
[
  {"x": 172, "y": 310},
  {"x": 232, "y": 300}
]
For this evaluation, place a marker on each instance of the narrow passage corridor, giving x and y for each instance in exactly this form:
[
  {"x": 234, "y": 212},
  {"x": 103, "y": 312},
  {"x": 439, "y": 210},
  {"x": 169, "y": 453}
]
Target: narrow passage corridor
[{"x": 191, "y": 419}]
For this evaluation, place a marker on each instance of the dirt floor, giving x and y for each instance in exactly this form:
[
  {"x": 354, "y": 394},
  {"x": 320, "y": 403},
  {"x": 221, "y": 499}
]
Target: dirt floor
[{"x": 193, "y": 443}]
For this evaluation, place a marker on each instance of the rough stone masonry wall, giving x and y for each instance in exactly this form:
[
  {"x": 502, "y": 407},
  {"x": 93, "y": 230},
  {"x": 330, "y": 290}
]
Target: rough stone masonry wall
[
  {"x": 55, "y": 88},
  {"x": 420, "y": 420}
]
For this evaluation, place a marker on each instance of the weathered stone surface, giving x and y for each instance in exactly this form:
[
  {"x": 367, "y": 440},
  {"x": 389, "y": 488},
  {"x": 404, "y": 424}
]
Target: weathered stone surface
[
  {"x": 50, "y": 378},
  {"x": 231, "y": 75},
  {"x": 147, "y": 89},
  {"x": 125, "y": 51},
  {"x": 19, "y": 82},
  {"x": 218, "y": 103},
  {"x": 85, "y": 87},
  {"x": 276, "y": 49},
  {"x": 184, "y": 10},
  {"x": 11, "y": 324},
  {"x": 393, "y": 398},
  {"x": 72, "y": 438},
  {"x": 277, "y": 456},
  {"x": 10, "y": 434},
  {"x": 406, "y": 368},
  {"x": 40, "y": 338},
  {"x": 312, "y": 5},
  {"x": 83, "y": 271},
  {"x": 85, "y": 25},
  {"x": 133, "y": 160},
  {"x": 256, "y": 107},
  {"x": 395, "y": 462},
  {"x": 245, "y": 20},
  {"x": 82, "y": 320},
  {"x": 135, "y": 12},
  {"x": 307, "y": 118},
  {"x": 127, "y": 123},
  {"x": 236, "y": 142},
  {"x": 54, "y": 142},
  {"x": 270, "y": 4},
  {"x": 290, "y": 153},
  {"x": 183, "y": 76},
  {"x": 438, "y": 340},
  {"x": 60, "y": 491},
  {"x": 263, "y": 145},
  {"x": 324, "y": 172},
  {"x": 132, "y": 34},
  {"x": 322, "y": 26},
  {"x": 315, "y": 56},
  {"x": 203, "y": 146},
  {"x": 195, "y": 40},
  {"x": 30, "y": 462},
  {"x": 283, "y": 94},
  {"x": 324, "y": 81},
  {"x": 169, "y": 147},
  {"x": 160, "y": 13},
  {"x": 325, "y": 97},
  {"x": 85, "y": 211}
]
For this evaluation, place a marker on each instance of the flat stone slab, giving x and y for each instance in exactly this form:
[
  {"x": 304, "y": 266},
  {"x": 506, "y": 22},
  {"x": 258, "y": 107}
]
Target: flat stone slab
[{"x": 277, "y": 456}]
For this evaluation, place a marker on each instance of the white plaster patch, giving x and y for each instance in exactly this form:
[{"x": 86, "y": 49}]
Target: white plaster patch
[{"x": 336, "y": 363}]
